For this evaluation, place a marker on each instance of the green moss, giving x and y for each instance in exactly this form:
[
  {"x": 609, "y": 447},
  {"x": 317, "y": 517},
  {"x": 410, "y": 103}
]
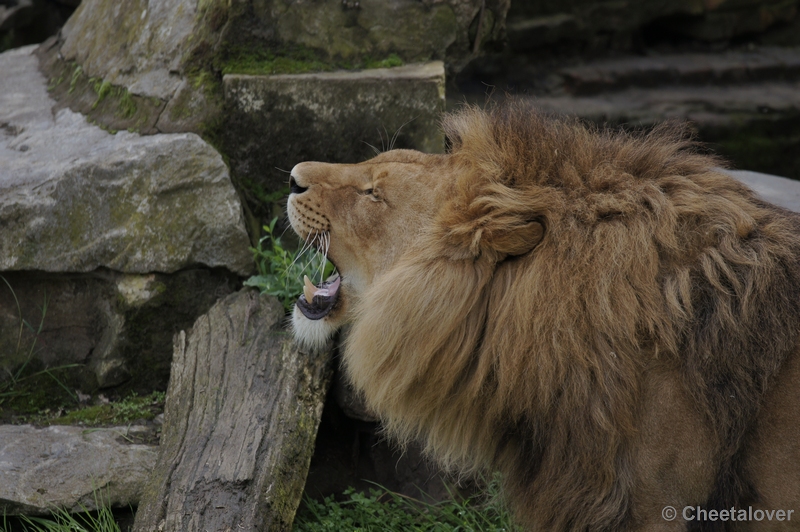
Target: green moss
[
  {"x": 392, "y": 61},
  {"x": 132, "y": 408},
  {"x": 79, "y": 222},
  {"x": 126, "y": 107},
  {"x": 295, "y": 60},
  {"x": 266, "y": 62},
  {"x": 47, "y": 403},
  {"x": 102, "y": 88},
  {"x": 40, "y": 392},
  {"x": 107, "y": 105},
  {"x": 76, "y": 76},
  {"x": 205, "y": 80},
  {"x": 54, "y": 82}
]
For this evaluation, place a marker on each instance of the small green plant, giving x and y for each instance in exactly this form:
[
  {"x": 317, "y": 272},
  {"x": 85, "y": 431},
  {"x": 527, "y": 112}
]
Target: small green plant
[
  {"x": 385, "y": 511},
  {"x": 281, "y": 271}
]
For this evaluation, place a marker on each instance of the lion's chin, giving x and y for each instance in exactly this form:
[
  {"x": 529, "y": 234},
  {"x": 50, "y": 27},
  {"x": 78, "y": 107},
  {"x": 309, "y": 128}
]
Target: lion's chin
[
  {"x": 312, "y": 335},
  {"x": 314, "y": 319}
]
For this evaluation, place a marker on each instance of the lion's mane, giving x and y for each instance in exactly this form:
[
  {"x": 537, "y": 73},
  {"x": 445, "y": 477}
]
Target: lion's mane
[{"x": 532, "y": 363}]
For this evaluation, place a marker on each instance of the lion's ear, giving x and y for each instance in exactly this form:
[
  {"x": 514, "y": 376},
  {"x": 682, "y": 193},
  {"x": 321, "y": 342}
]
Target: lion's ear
[
  {"x": 493, "y": 219},
  {"x": 516, "y": 239}
]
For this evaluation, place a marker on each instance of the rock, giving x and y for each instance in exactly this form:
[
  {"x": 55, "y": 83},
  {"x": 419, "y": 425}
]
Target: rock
[
  {"x": 148, "y": 47},
  {"x": 108, "y": 216},
  {"x": 25, "y": 22},
  {"x": 612, "y": 24},
  {"x": 415, "y": 30},
  {"x": 275, "y": 122},
  {"x": 778, "y": 190},
  {"x": 16, "y": 14},
  {"x": 71, "y": 468},
  {"x": 734, "y": 67},
  {"x": 74, "y": 198},
  {"x": 724, "y": 20},
  {"x": 744, "y": 103},
  {"x": 241, "y": 416},
  {"x": 109, "y": 327},
  {"x": 755, "y": 125},
  {"x": 136, "y": 44}
]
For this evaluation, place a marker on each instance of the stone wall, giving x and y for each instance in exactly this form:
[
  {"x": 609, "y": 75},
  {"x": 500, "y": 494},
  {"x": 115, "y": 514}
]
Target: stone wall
[{"x": 613, "y": 24}]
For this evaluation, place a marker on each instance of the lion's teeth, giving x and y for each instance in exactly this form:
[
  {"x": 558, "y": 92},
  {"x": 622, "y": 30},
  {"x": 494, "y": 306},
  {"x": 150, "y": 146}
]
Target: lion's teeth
[{"x": 309, "y": 289}]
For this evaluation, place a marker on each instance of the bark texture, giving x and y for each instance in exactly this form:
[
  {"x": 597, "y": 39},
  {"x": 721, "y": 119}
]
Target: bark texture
[{"x": 242, "y": 412}]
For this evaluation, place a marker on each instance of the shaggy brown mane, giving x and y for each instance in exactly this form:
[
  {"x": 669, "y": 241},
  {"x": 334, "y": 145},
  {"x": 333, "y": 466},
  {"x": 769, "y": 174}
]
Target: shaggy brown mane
[{"x": 531, "y": 362}]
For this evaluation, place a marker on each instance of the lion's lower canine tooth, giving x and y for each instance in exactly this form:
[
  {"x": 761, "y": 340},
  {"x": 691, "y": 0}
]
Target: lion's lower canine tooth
[{"x": 309, "y": 289}]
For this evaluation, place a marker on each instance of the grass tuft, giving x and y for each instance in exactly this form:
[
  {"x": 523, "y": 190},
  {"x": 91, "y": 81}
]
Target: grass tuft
[
  {"x": 383, "y": 510},
  {"x": 61, "y": 520}
]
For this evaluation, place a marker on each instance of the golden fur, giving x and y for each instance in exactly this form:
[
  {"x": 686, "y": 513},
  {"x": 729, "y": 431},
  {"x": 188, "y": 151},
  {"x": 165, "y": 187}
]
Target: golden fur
[{"x": 600, "y": 316}]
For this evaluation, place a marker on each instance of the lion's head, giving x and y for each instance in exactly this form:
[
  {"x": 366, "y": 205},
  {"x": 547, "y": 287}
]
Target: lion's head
[
  {"x": 511, "y": 301},
  {"x": 363, "y": 216}
]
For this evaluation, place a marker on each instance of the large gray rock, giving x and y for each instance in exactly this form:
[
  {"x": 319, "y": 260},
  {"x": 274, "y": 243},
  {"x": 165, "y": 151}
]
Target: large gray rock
[
  {"x": 778, "y": 190},
  {"x": 278, "y": 121},
  {"x": 70, "y": 468},
  {"x": 74, "y": 197},
  {"x": 136, "y": 44}
]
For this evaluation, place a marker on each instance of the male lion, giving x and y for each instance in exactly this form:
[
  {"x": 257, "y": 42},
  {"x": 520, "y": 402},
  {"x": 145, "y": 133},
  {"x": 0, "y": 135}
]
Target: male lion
[{"x": 605, "y": 318}]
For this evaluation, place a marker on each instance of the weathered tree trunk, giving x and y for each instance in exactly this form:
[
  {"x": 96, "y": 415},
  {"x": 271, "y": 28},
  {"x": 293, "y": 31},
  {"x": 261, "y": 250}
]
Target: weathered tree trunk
[{"x": 242, "y": 412}]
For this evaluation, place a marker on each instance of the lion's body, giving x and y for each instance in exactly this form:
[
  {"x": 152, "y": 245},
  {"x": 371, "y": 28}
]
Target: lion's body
[{"x": 606, "y": 319}]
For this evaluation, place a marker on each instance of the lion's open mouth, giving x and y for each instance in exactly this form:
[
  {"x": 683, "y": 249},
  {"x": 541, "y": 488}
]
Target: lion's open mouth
[{"x": 318, "y": 301}]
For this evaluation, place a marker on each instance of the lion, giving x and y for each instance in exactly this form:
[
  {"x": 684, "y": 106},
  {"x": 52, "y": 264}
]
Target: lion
[{"x": 606, "y": 318}]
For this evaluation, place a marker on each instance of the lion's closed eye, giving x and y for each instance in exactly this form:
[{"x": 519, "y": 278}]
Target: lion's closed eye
[{"x": 372, "y": 193}]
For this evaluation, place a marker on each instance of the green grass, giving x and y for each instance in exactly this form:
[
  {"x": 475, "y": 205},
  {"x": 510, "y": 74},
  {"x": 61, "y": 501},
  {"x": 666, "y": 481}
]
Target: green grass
[
  {"x": 379, "y": 511},
  {"x": 10, "y": 385},
  {"x": 281, "y": 271},
  {"x": 385, "y": 511},
  {"x": 101, "y": 520}
]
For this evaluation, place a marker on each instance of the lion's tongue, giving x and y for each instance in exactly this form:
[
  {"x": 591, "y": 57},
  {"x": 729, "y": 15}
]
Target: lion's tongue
[
  {"x": 317, "y": 301},
  {"x": 326, "y": 289}
]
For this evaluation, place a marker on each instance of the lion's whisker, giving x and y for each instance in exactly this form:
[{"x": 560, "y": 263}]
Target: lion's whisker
[
  {"x": 303, "y": 249},
  {"x": 376, "y": 150},
  {"x": 326, "y": 243},
  {"x": 397, "y": 133}
]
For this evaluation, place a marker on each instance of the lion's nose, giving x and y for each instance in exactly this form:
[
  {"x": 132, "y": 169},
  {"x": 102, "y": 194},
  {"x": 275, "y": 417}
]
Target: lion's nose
[{"x": 295, "y": 188}]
